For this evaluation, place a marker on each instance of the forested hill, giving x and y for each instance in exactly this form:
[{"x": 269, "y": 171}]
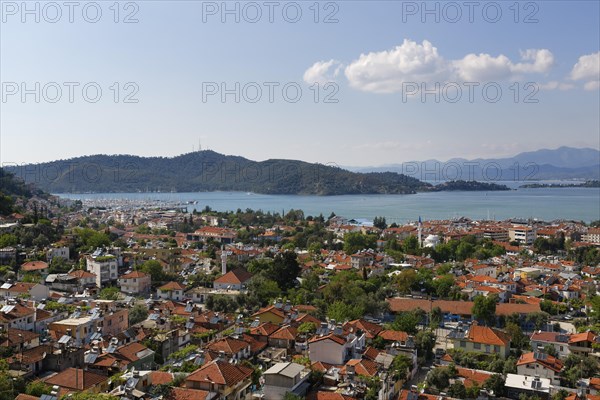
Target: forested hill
[
  {"x": 209, "y": 171},
  {"x": 13, "y": 189}
]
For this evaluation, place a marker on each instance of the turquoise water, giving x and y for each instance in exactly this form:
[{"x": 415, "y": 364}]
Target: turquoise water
[{"x": 582, "y": 204}]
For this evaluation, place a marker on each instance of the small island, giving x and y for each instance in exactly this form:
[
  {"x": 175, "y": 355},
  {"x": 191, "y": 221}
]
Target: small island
[
  {"x": 587, "y": 184},
  {"x": 461, "y": 185}
]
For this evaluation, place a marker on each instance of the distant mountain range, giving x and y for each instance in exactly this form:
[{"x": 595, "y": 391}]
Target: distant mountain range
[
  {"x": 544, "y": 164},
  {"x": 211, "y": 171}
]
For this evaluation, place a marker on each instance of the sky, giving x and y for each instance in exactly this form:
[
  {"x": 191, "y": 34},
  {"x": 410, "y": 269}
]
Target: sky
[{"x": 359, "y": 83}]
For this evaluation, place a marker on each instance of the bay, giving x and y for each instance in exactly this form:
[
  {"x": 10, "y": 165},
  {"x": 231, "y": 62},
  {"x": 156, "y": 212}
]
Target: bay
[{"x": 580, "y": 204}]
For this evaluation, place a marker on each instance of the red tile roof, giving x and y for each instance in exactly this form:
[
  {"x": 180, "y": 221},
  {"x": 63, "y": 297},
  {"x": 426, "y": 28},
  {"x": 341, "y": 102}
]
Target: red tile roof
[
  {"x": 236, "y": 277},
  {"x": 34, "y": 266},
  {"x": 172, "y": 286},
  {"x": 76, "y": 379},
  {"x": 220, "y": 372},
  {"x": 486, "y": 335},
  {"x": 134, "y": 274},
  {"x": 548, "y": 361},
  {"x": 333, "y": 337}
]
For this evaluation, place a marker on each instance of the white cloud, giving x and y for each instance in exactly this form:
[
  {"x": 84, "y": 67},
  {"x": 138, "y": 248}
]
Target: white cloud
[
  {"x": 556, "y": 85},
  {"x": 484, "y": 67},
  {"x": 385, "y": 71},
  {"x": 322, "y": 72},
  {"x": 543, "y": 60},
  {"x": 592, "y": 85},
  {"x": 588, "y": 68}
]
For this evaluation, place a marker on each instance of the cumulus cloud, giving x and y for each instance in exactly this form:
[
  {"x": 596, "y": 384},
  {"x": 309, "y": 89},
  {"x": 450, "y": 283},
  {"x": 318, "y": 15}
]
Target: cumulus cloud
[
  {"x": 587, "y": 69},
  {"x": 556, "y": 85},
  {"x": 322, "y": 72},
  {"x": 484, "y": 67},
  {"x": 385, "y": 71},
  {"x": 388, "y": 70}
]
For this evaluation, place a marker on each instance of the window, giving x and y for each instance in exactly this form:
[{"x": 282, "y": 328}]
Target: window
[
  {"x": 487, "y": 348},
  {"x": 496, "y": 349},
  {"x": 477, "y": 346},
  {"x": 463, "y": 344}
]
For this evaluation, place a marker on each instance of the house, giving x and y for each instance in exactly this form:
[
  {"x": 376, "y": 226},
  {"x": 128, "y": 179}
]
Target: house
[
  {"x": 285, "y": 377},
  {"x": 371, "y": 330},
  {"x": 78, "y": 329},
  {"x": 591, "y": 236},
  {"x": 515, "y": 385},
  {"x": 228, "y": 380},
  {"x": 234, "y": 349},
  {"x": 33, "y": 291},
  {"x": 171, "y": 291},
  {"x": 269, "y": 314},
  {"x": 17, "y": 315},
  {"x": 20, "y": 339},
  {"x": 285, "y": 337},
  {"x": 221, "y": 235},
  {"x": 86, "y": 279},
  {"x": 136, "y": 282},
  {"x": 485, "y": 270},
  {"x": 560, "y": 342},
  {"x": 131, "y": 355},
  {"x": 34, "y": 267},
  {"x": 581, "y": 343},
  {"x": 233, "y": 280},
  {"x": 57, "y": 252},
  {"x": 178, "y": 393},
  {"x": 361, "y": 259},
  {"x": 481, "y": 339},
  {"x": 540, "y": 364},
  {"x": 104, "y": 267},
  {"x": 522, "y": 234},
  {"x": 74, "y": 380},
  {"x": 456, "y": 310},
  {"x": 331, "y": 348}
]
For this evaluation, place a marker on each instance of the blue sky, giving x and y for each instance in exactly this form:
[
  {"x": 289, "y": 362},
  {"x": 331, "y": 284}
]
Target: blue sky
[{"x": 373, "y": 58}]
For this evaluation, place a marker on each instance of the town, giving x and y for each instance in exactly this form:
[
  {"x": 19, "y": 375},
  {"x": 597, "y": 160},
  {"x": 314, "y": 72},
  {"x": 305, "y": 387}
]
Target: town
[{"x": 156, "y": 302}]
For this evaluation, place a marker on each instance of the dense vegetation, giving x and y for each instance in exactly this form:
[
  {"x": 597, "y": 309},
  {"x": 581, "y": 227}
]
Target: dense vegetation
[
  {"x": 211, "y": 171},
  {"x": 13, "y": 190}
]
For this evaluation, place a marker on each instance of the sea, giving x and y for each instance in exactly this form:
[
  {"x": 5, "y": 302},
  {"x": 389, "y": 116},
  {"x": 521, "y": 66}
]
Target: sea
[{"x": 546, "y": 204}]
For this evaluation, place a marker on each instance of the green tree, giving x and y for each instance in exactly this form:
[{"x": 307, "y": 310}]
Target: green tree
[
  {"x": 495, "y": 383},
  {"x": 457, "y": 390},
  {"x": 379, "y": 222},
  {"x": 484, "y": 309},
  {"x": 109, "y": 293},
  {"x": 405, "y": 280},
  {"x": 285, "y": 270},
  {"x": 341, "y": 311},
  {"x": 154, "y": 269},
  {"x": 411, "y": 245},
  {"x": 443, "y": 285},
  {"x": 401, "y": 366},
  {"x": 37, "y": 388},
  {"x": 407, "y": 322},
  {"x": 138, "y": 313},
  {"x": 439, "y": 378}
]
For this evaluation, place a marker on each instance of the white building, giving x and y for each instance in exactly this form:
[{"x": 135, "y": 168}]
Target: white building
[
  {"x": 522, "y": 234},
  {"x": 285, "y": 377},
  {"x": 104, "y": 267},
  {"x": 62, "y": 252}
]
